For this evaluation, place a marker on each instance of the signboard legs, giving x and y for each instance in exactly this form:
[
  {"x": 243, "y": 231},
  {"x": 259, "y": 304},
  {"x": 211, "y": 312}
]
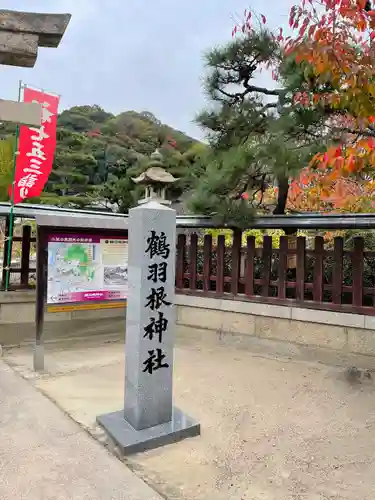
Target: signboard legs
[
  {"x": 149, "y": 419},
  {"x": 41, "y": 273}
]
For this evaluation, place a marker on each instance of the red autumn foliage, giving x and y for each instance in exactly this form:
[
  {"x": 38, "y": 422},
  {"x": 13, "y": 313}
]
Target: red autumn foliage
[{"x": 336, "y": 39}]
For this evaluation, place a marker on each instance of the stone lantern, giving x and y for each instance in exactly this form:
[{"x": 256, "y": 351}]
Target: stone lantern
[{"x": 155, "y": 179}]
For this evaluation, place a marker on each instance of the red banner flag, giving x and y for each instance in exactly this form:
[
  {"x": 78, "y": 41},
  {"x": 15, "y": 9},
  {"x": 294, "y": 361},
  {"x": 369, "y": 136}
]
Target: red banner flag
[{"x": 36, "y": 148}]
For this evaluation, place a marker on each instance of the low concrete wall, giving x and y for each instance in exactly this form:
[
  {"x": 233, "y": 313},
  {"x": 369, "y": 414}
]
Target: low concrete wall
[
  {"x": 17, "y": 320},
  {"x": 293, "y": 331},
  {"x": 318, "y": 335}
]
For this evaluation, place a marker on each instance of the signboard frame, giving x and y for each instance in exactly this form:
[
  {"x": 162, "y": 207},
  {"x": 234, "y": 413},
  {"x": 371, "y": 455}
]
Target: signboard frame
[
  {"x": 48, "y": 226},
  {"x": 91, "y": 304}
]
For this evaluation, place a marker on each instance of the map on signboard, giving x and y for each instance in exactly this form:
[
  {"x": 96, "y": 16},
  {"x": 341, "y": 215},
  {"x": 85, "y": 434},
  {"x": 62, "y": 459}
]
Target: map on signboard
[
  {"x": 72, "y": 267},
  {"x": 85, "y": 269}
]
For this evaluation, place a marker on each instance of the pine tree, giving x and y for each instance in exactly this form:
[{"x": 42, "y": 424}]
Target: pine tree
[{"x": 259, "y": 136}]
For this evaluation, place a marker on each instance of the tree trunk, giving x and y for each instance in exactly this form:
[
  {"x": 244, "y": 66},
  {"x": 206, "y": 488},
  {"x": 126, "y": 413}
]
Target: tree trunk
[{"x": 282, "y": 197}]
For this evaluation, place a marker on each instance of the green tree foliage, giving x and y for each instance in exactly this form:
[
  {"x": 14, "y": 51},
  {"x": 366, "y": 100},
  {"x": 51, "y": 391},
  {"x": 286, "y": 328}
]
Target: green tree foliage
[
  {"x": 98, "y": 153},
  {"x": 6, "y": 167},
  {"x": 187, "y": 166},
  {"x": 259, "y": 136}
]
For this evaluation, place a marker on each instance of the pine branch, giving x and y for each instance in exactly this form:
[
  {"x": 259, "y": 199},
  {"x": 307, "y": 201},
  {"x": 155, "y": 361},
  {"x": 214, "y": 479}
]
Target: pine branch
[
  {"x": 263, "y": 90},
  {"x": 366, "y": 133},
  {"x": 270, "y": 105},
  {"x": 239, "y": 96}
]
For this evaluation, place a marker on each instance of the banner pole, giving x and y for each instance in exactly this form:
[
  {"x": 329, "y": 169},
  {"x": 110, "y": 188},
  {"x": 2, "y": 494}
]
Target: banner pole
[{"x": 11, "y": 214}]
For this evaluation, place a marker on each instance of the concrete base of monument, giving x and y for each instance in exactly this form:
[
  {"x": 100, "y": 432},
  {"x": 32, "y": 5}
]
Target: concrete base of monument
[
  {"x": 38, "y": 357},
  {"x": 131, "y": 441}
]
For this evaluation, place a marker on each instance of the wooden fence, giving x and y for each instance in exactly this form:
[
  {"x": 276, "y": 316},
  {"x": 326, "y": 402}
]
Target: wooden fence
[
  {"x": 19, "y": 274},
  {"x": 337, "y": 279}
]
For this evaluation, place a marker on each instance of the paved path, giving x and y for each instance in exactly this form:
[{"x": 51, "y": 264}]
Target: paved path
[
  {"x": 44, "y": 455},
  {"x": 272, "y": 428}
]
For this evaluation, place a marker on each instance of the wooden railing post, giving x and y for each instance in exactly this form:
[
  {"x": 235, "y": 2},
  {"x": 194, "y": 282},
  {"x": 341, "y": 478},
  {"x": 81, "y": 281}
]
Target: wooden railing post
[
  {"x": 236, "y": 260},
  {"x": 300, "y": 271},
  {"x": 249, "y": 267},
  {"x": 207, "y": 260},
  {"x": 283, "y": 251},
  {"x": 357, "y": 265},
  {"x": 337, "y": 278},
  {"x": 318, "y": 285},
  {"x": 193, "y": 261},
  {"x": 220, "y": 264},
  {"x": 267, "y": 260},
  {"x": 180, "y": 260},
  {"x": 25, "y": 256}
]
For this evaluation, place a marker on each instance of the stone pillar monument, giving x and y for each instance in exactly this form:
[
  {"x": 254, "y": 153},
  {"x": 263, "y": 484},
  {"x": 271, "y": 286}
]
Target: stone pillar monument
[{"x": 149, "y": 418}]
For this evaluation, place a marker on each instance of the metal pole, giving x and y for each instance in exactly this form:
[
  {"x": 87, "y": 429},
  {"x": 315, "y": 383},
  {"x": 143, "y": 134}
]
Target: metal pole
[
  {"x": 11, "y": 214},
  {"x": 41, "y": 272}
]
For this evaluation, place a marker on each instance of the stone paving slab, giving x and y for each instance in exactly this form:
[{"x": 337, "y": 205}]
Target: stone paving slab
[
  {"x": 44, "y": 455},
  {"x": 272, "y": 428}
]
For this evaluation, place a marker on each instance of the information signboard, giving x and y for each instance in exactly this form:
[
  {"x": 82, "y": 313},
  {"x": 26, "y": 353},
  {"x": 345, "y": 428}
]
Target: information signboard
[{"x": 86, "y": 268}]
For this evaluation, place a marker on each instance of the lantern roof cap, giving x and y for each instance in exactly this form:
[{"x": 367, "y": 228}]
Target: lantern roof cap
[{"x": 155, "y": 175}]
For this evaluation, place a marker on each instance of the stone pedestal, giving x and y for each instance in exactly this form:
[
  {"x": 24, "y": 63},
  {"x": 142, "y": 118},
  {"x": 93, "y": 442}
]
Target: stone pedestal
[
  {"x": 149, "y": 419},
  {"x": 130, "y": 440}
]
